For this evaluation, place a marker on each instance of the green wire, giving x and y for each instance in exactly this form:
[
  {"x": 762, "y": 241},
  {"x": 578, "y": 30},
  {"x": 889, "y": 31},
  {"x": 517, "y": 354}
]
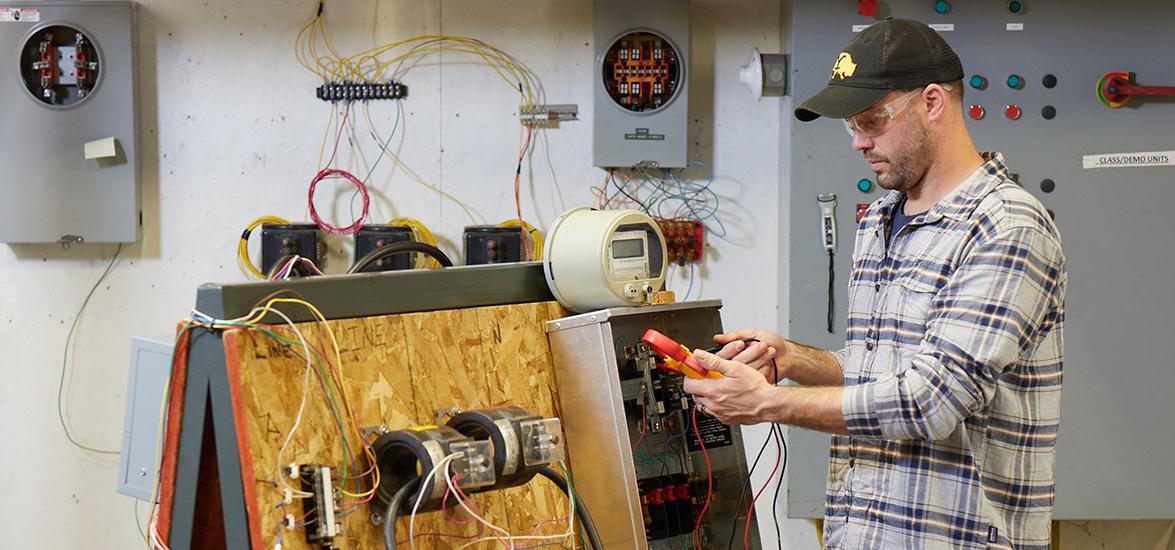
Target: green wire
[
  {"x": 382, "y": 153},
  {"x": 65, "y": 358},
  {"x": 572, "y": 494}
]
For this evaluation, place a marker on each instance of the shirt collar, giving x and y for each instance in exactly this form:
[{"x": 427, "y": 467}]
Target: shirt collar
[{"x": 959, "y": 203}]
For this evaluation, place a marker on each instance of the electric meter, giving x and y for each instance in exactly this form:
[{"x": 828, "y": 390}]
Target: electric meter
[{"x": 596, "y": 259}]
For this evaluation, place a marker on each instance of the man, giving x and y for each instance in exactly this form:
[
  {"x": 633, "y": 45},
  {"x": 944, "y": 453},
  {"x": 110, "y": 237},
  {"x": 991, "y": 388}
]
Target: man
[{"x": 945, "y": 402}]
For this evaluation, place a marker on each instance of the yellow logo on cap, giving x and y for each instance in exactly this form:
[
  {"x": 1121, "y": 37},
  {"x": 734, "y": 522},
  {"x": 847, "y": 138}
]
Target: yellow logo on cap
[{"x": 844, "y": 66}]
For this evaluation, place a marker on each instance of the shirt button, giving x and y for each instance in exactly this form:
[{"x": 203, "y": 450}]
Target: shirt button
[
  {"x": 877, "y": 287},
  {"x": 852, "y": 462},
  {"x": 869, "y": 346}
]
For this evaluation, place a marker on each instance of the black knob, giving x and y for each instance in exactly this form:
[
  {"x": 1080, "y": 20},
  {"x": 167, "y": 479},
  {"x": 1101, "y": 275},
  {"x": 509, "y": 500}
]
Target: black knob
[
  {"x": 1049, "y": 80},
  {"x": 1048, "y": 185},
  {"x": 1048, "y": 112}
]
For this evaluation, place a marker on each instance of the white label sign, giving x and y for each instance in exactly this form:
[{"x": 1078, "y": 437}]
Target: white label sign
[
  {"x": 859, "y": 28},
  {"x": 20, "y": 15},
  {"x": 1124, "y": 160},
  {"x": 941, "y": 27},
  {"x": 1015, "y": 26}
]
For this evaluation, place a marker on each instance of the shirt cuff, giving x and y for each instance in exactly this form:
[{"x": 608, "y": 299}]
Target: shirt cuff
[{"x": 859, "y": 406}]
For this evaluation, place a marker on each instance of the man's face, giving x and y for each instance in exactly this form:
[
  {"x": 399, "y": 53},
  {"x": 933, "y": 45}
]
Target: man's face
[{"x": 900, "y": 152}]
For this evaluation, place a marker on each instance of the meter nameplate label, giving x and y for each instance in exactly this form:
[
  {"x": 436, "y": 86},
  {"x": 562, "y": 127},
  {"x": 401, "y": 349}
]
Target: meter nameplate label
[
  {"x": 1128, "y": 160},
  {"x": 20, "y": 15}
]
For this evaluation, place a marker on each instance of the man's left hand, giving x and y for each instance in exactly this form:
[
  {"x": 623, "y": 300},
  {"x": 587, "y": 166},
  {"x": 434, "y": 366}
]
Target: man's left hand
[{"x": 738, "y": 397}]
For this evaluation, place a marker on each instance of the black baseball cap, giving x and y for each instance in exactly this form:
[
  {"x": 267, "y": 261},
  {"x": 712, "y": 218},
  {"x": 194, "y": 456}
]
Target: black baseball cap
[{"x": 895, "y": 54}]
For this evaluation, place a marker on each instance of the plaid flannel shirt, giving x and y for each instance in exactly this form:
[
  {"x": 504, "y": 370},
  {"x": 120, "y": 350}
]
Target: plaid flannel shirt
[{"x": 952, "y": 374}]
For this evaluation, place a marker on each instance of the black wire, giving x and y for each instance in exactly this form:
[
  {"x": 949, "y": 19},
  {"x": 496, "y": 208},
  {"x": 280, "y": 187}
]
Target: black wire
[
  {"x": 393, "y": 512},
  {"x": 831, "y": 296},
  {"x": 581, "y": 511},
  {"x": 742, "y": 495},
  {"x": 402, "y": 247},
  {"x": 298, "y": 269},
  {"x": 775, "y": 499}
]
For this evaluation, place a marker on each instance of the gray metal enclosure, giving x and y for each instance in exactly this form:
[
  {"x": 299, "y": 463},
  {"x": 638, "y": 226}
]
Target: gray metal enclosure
[
  {"x": 50, "y": 191},
  {"x": 1115, "y": 440}
]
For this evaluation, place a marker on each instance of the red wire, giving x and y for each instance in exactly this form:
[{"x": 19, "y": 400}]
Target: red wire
[
  {"x": 644, "y": 426},
  {"x": 778, "y": 456},
  {"x": 339, "y": 135},
  {"x": 709, "y": 479},
  {"x": 330, "y": 173}
]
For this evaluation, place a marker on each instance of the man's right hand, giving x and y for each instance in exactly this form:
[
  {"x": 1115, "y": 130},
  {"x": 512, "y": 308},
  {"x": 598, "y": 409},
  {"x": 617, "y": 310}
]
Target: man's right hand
[{"x": 768, "y": 356}]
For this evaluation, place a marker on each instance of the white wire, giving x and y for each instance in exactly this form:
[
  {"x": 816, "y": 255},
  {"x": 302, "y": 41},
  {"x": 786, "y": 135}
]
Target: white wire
[
  {"x": 301, "y": 406},
  {"x": 511, "y": 538},
  {"x": 420, "y": 494}
]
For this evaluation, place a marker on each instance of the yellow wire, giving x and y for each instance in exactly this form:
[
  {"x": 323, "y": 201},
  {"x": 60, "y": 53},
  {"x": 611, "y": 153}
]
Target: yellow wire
[
  {"x": 248, "y": 268},
  {"x": 423, "y": 235},
  {"x": 535, "y": 234}
]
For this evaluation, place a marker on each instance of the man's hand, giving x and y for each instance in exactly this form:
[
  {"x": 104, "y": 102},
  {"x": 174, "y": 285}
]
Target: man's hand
[
  {"x": 736, "y": 398},
  {"x": 768, "y": 355}
]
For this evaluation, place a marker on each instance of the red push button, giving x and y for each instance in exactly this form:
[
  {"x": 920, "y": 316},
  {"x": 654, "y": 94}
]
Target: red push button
[
  {"x": 976, "y": 112},
  {"x": 1012, "y": 112}
]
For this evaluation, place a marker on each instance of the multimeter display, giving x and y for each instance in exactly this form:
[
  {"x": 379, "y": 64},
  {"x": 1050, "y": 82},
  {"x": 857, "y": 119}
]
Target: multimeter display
[{"x": 628, "y": 248}]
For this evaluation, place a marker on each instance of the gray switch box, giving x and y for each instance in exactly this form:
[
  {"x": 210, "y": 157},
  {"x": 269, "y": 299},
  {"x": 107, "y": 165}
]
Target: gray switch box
[
  {"x": 149, "y": 372},
  {"x": 51, "y": 191},
  {"x": 640, "y": 91}
]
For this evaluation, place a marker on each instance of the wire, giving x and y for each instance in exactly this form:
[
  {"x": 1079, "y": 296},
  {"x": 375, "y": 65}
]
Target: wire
[
  {"x": 709, "y": 478},
  {"x": 248, "y": 268},
  {"x": 581, "y": 510},
  {"x": 770, "y": 477},
  {"x": 422, "y": 234},
  {"x": 831, "y": 294},
  {"x": 743, "y": 493},
  {"x": 535, "y": 234},
  {"x": 775, "y": 497},
  {"x": 439, "y": 467},
  {"x": 333, "y": 173},
  {"x": 402, "y": 247},
  {"x": 65, "y": 359},
  {"x": 393, "y": 512}
]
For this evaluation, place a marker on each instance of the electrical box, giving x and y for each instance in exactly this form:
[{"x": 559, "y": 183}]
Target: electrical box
[
  {"x": 147, "y": 380},
  {"x": 640, "y": 83},
  {"x": 639, "y": 466},
  {"x": 67, "y": 72},
  {"x": 492, "y": 244},
  {"x": 280, "y": 240},
  {"x": 372, "y": 237}
]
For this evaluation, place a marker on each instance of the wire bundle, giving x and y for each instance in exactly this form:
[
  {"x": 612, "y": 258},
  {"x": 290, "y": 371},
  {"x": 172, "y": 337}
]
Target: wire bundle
[{"x": 665, "y": 195}]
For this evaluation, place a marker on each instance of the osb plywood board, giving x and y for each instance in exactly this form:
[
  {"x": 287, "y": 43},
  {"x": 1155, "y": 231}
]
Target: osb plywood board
[{"x": 397, "y": 370}]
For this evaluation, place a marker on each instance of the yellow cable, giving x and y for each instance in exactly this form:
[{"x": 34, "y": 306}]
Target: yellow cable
[
  {"x": 535, "y": 234},
  {"x": 423, "y": 235},
  {"x": 248, "y": 268}
]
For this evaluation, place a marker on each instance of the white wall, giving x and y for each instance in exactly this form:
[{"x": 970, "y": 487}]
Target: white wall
[{"x": 230, "y": 130}]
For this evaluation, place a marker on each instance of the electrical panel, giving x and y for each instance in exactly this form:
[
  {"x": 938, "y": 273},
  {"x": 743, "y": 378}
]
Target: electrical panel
[
  {"x": 146, "y": 383},
  {"x": 279, "y": 241},
  {"x": 492, "y": 244},
  {"x": 372, "y": 237},
  {"x": 630, "y": 433},
  {"x": 640, "y": 91},
  {"x": 1048, "y": 114},
  {"x": 69, "y": 149}
]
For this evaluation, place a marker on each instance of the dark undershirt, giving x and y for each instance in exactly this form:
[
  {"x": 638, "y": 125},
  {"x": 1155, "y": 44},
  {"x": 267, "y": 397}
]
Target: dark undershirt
[{"x": 899, "y": 219}]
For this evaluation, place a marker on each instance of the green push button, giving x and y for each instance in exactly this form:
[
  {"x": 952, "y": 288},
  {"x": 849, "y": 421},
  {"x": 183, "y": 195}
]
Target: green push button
[
  {"x": 942, "y": 7},
  {"x": 978, "y": 82},
  {"x": 865, "y": 185},
  {"x": 1015, "y": 6},
  {"x": 1014, "y": 81}
]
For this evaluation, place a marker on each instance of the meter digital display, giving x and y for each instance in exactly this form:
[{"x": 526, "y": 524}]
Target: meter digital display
[{"x": 628, "y": 248}]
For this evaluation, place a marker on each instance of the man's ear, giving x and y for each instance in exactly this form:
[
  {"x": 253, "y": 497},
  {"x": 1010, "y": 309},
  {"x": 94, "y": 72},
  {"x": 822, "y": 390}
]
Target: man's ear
[{"x": 938, "y": 102}]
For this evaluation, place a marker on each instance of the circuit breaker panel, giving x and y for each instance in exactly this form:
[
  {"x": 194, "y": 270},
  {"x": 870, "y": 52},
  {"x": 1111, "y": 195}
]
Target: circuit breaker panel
[
  {"x": 1034, "y": 75},
  {"x": 640, "y": 89},
  {"x": 638, "y": 462},
  {"x": 69, "y": 152}
]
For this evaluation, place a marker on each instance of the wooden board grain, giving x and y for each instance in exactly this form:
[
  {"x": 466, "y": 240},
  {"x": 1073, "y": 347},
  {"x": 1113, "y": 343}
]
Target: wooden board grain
[{"x": 397, "y": 371}]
